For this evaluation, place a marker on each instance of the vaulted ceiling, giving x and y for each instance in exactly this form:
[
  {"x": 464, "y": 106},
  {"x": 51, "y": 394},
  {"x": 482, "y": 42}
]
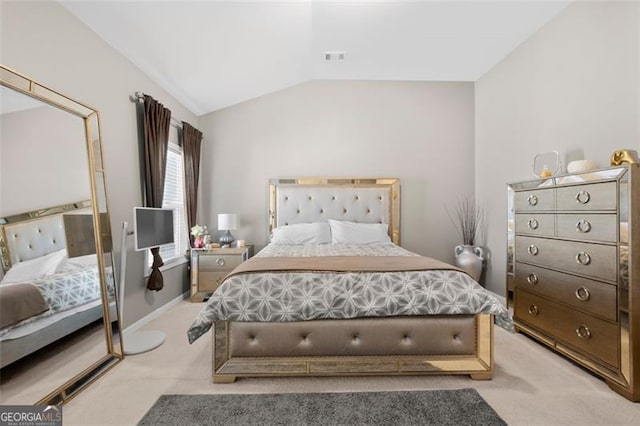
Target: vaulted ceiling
[{"x": 212, "y": 54}]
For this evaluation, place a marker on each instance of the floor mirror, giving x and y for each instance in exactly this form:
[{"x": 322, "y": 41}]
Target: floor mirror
[{"x": 60, "y": 322}]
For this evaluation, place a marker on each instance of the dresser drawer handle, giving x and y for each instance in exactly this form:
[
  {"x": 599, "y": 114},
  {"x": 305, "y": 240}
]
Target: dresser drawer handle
[
  {"x": 532, "y": 249},
  {"x": 532, "y": 200},
  {"x": 532, "y": 224},
  {"x": 220, "y": 261},
  {"x": 533, "y": 310},
  {"x": 583, "y": 197},
  {"x": 583, "y": 226},
  {"x": 583, "y": 258},
  {"x": 583, "y": 332},
  {"x": 532, "y": 279},
  {"x": 583, "y": 294}
]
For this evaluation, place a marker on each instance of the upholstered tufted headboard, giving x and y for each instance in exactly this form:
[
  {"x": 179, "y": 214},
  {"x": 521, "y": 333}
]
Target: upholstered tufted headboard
[
  {"x": 34, "y": 234},
  {"x": 366, "y": 200}
]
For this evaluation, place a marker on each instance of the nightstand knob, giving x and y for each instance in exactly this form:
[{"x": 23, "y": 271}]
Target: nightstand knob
[
  {"x": 583, "y": 258},
  {"x": 583, "y": 226},
  {"x": 532, "y": 200},
  {"x": 583, "y": 294},
  {"x": 583, "y": 332},
  {"x": 533, "y": 224},
  {"x": 532, "y": 279},
  {"x": 532, "y": 249},
  {"x": 533, "y": 310},
  {"x": 220, "y": 261}
]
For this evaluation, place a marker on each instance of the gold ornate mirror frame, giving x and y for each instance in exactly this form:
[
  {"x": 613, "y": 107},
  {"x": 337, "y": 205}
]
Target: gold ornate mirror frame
[{"x": 101, "y": 227}]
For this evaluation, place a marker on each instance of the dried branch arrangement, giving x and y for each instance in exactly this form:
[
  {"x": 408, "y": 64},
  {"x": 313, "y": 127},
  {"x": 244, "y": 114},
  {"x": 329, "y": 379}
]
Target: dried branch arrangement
[{"x": 466, "y": 218}]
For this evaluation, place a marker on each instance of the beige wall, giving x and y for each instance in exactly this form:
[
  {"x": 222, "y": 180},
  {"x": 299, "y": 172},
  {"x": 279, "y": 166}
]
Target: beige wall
[
  {"x": 45, "y": 42},
  {"x": 419, "y": 132},
  {"x": 37, "y": 144},
  {"x": 572, "y": 87}
]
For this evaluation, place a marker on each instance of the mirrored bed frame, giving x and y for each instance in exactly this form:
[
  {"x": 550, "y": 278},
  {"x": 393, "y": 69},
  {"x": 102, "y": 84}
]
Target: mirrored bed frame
[{"x": 407, "y": 345}]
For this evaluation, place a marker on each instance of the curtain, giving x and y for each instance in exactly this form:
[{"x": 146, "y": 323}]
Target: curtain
[
  {"x": 191, "y": 141},
  {"x": 156, "y": 122}
]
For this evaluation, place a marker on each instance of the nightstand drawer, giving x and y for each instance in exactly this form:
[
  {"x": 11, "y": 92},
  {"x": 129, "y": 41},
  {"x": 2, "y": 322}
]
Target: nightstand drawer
[
  {"x": 210, "y": 281},
  {"x": 594, "y": 260},
  {"x": 590, "y": 335},
  {"x": 593, "y": 227},
  {"x": 219, "y": 262},
  {"x": 539, "y": 199},
  {"x": 535, "y": 224},
  {"x": 593, "y": 297},
  {"x": 209, "y": 267},
  {"x": 597, "y": 196}
]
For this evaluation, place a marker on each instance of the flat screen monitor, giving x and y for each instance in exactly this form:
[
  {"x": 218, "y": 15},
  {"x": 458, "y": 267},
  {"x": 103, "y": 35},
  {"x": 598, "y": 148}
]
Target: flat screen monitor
[{"x": 152, "y": 227}]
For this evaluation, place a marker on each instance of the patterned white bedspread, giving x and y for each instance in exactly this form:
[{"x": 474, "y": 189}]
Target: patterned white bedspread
[{"x": 300, "y": 296}]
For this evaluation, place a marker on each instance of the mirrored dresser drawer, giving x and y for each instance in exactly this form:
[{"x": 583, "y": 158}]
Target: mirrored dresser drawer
[
  {"x": 594, "y": 337},
  {"x": 592, "y": 260},
  {"x": 590, "y": 296},
  {"x": 590, "y": 227},
  {"x": 535, "y": 224},
  {"x": 535, "y": 200},
  {"x": 597, "y": 196}
]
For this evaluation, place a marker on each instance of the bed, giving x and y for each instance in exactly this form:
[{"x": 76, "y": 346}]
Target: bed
[
  {"x": 333, "y": 293},
  {"x": 44, "y": 293}
]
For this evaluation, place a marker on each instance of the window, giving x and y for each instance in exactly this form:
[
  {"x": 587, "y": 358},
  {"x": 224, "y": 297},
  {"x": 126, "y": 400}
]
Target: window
[{"x": 173, "y": 198}]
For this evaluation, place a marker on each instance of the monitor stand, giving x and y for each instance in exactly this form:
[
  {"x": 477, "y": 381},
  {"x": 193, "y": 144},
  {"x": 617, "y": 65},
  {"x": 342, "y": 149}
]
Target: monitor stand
[{"x": 133, "y": 341}]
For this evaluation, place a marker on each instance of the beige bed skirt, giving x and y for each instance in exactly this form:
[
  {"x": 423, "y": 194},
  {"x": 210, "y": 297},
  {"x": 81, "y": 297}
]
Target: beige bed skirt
[{"x": 408, "y": 345}]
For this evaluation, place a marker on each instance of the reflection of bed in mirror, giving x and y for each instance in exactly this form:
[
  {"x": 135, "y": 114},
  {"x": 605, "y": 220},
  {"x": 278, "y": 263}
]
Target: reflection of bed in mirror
[
  {"x": 51, "y": 283},
  {"x": 52, "y": 156}
]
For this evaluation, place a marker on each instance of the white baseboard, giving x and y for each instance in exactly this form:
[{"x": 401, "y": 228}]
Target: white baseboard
[{"x": 155, "y": 314}]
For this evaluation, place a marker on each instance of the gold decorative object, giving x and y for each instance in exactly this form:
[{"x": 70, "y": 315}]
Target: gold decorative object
[{"x": 624, "y": 156}]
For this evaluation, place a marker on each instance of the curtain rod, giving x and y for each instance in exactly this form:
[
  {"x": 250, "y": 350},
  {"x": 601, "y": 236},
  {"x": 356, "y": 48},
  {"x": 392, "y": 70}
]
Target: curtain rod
[{"x": 139, "y": 97}]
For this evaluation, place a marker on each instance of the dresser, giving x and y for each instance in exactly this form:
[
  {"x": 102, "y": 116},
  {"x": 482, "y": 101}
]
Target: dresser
[
  {"x": 209, "y": 267},
  {"x": 573, "y": 267}
]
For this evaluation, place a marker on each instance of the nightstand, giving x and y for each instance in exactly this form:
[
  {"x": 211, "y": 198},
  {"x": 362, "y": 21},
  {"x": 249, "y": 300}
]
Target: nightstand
[{"x": 209, "y": 267}]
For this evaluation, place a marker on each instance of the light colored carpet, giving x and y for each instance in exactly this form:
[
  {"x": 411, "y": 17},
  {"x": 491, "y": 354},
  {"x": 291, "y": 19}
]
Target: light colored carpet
[{"x": 531, "y": 385}]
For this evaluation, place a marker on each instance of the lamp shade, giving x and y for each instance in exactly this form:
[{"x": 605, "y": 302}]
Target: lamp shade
[{"x": 227, "y": 221}]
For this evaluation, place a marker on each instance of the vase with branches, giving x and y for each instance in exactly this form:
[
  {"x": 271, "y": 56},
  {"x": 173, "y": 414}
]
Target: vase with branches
[{"x": 467, "y": 218}]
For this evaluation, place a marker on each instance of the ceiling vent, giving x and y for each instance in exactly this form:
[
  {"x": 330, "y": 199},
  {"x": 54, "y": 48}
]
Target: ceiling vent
[{"x": 334, "y": 56}]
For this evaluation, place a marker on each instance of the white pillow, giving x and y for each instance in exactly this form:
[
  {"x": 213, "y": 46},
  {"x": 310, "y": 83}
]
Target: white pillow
[
  {"x": 302, "y": 233},
  {"x": 75, "y": 263},
  {"x": 31, "y": 270},
  {"x": 343, "y": 232}
]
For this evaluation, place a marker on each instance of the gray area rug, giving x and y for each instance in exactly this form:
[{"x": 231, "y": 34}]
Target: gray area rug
[{"x": 436, "y": 407}]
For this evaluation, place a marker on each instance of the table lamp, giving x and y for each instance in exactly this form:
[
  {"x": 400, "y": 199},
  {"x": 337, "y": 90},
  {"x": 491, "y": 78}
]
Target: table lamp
[{"x": 227, "y": 222}]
